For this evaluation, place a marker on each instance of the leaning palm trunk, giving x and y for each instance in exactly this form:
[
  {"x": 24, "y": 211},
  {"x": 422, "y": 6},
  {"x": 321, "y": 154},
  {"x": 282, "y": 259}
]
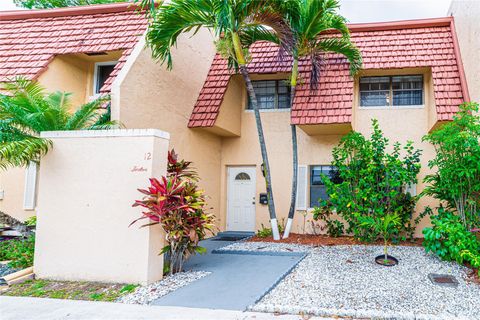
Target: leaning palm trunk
[
  {"x": 293, "y": 127},
  {"x": 263, "y": 149}
]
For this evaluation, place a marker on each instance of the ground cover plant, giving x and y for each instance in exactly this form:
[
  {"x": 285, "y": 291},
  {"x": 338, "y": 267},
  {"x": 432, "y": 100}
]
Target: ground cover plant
[
  {"x": 18, "y": 251},
  {"x": 371, "y": 187},
  {"x": 178, "y": 205},
  {"x": 91, "y": 291}
]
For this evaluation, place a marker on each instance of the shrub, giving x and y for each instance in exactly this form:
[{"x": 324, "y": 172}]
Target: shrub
[
  {"x": 373, "y": 183},
  {"x": 266, "y": 232},
  {"x": 19, "y": 251},
  {"x": 450, "y": 240},
  {"x": 386, "y": 226},
  {"x": 456, "y": 181},
  {"x": 176, "y": 203},
  {"x": 324, "y": 213}
]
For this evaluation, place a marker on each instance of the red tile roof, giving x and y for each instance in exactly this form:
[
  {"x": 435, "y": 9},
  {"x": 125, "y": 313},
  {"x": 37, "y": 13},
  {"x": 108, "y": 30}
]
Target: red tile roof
[
  {"x": 30, "y": 39},
  {"x": 392, "y": 45}
]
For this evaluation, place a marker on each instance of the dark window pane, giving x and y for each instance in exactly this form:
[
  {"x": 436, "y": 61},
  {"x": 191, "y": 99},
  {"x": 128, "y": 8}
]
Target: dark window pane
[
  {"x": 317, "y": 194},
  {"x": 103, "y": 72},
  {"x": 271, "y": 94},
  {"x": 374, "y": 98},
  {"x": 407, "y": 90}
]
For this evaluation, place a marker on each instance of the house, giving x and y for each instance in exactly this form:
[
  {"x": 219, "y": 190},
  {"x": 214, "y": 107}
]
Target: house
[
  {"x": 412, "y": 81},
  {"x": 79, "y": 50}
]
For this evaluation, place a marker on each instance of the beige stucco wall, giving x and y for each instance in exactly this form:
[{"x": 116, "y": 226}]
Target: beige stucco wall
[
  {"x": 398, "y": 125},
  {"x": 146, "y": 95},
  {"x": 71, "y": 73},
  {"x": 87, "y": 186},
  {"x": 466, "y": 13}
]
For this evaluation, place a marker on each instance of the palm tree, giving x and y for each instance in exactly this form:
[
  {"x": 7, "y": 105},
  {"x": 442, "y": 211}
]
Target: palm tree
[
  {"x": 237, "y": 24},
  {"x": 309, "y": 20},
  {"x": 26, "y": 110}
]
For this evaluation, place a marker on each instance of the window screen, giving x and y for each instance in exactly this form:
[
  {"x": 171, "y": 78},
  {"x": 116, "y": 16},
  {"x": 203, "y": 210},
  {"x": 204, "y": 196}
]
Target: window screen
[
  {"x": 271, "y": 94},
  {"x": 391, "y": 91},
  {"x": 317, "y": 186}
]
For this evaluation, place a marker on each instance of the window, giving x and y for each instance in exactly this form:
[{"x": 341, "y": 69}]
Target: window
[
  {"x": 395, "y": 91},
  {"x": 317, "y": 187},
  {"x": 271, "y": 94},
  {"x": 242, "y": 176},
  {"x": 101, "y": 74}
]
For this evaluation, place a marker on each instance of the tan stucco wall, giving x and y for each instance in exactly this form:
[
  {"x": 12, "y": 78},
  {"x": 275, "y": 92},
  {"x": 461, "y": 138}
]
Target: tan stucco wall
[
  {"x": 466, "y": 13},
  {"x": 70, "y": 73},
  {"x": 398, "y": 125},
  {"x": 146, "y": 95},
  {"x": 87, "y": 186}
]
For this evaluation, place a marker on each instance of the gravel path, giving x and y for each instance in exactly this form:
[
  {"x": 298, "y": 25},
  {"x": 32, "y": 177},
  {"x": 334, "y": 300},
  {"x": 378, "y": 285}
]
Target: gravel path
[
  {"x": 146, "y": 294},
  {"x": 345, "y": 281},
  {"x": 265, "y": 247}
]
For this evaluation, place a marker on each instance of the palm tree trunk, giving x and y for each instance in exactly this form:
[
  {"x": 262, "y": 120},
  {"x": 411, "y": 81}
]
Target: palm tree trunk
[
  {"x": 263, "y": 149},
  {"x": 293, "y": 127}
]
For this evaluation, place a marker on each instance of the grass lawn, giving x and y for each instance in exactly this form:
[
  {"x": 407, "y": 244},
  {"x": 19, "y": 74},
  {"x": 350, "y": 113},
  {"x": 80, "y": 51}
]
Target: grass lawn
[{"x": 90, "y": 291}]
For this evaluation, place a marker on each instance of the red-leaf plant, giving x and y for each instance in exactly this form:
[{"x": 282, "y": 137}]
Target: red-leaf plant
[{"x": 176, "y": 203}]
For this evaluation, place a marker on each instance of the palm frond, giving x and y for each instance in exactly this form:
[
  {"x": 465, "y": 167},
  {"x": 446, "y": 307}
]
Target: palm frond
[
  {"x": 19, "y": 153},
  {"x": 175, "y": 18},
  {"x": 344, "y": 47}
]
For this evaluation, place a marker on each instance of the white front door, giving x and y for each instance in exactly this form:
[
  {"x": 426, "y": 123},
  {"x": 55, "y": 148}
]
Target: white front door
[{"x": 241, "y": 199}]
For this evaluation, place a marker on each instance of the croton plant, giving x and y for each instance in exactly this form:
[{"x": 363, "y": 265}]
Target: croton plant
[{"x": 178, "y": 205}]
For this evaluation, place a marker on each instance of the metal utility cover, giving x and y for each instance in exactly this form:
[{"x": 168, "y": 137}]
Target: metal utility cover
[{"x": 444, "y": 280}]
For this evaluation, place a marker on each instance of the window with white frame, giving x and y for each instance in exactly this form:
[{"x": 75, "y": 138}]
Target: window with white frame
[
  {"x": 101, "y": 74},
  {"x": 311, "y": 188},
  {"x": 271, "y": 94},
  {"x": 391, "y": 91}
]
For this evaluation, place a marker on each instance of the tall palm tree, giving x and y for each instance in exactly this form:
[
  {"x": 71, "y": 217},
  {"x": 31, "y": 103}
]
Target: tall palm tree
[
  {"x": 26, "y": 110},
  {"x": 237, "y": 24},
  {"x": 309, "y": 21}
]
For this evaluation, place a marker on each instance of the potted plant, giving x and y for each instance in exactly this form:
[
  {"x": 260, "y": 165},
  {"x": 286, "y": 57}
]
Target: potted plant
[{"x": 387, "y": 227}]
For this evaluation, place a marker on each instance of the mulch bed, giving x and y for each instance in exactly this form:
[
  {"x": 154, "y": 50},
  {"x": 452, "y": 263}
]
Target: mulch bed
[{"x": 324, "y": 240}]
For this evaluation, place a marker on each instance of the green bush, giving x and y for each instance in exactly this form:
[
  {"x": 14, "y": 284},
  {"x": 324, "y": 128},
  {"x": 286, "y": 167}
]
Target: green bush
[
  {"x": 324, "y": 213},
  {"x": 450, "y": 240},
  {"x": 456, "y": 181},
  {"x": 373, "y": 184},
  {"x": 19, "y": 251}
]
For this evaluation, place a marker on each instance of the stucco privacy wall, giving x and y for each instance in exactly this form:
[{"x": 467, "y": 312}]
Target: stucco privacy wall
[
  {"x": 466, "y": 15},
  {"x": 147, "y": 95},
  {"x": 87, "y": 185}
]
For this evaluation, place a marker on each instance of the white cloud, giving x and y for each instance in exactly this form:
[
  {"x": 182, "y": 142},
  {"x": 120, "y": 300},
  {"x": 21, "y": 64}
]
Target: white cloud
[
  {"x": 366, "y": 10},
  {"x": 7, "y": 5},
  {"x": 390, "y": 10}
]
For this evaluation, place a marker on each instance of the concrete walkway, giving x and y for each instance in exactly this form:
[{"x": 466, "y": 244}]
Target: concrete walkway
[
  {"x": 17, "y": 308},
  {"x": 237, "y": 281}
]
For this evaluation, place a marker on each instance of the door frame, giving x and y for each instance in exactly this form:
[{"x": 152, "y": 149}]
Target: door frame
[{"x": 228, "y": 188}]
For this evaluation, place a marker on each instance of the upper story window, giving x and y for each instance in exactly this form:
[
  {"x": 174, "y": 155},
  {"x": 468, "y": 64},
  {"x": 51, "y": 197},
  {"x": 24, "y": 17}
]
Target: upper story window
[
  {"x": 271, "y": 94},
  {"x": 101, "y": 74},
  {"x": 394, "y": 91}
]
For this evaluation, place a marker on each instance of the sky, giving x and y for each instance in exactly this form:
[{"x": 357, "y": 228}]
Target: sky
[{"x": 367, "y": 10}]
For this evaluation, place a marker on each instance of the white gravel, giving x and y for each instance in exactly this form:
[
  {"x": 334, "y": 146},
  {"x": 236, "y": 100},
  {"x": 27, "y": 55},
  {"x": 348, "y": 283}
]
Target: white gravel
[
  {"x": 345, "y": 281},
  {"x": 265, "y": 247},
  {"x": 146, "y": 294}
]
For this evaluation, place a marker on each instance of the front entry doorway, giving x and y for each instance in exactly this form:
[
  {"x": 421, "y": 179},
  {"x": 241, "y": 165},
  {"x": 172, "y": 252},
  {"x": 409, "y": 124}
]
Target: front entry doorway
[{"x": 241, "y": 199}]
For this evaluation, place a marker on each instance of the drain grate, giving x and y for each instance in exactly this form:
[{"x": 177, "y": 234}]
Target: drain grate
[{"x": 444, "y": 280}]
